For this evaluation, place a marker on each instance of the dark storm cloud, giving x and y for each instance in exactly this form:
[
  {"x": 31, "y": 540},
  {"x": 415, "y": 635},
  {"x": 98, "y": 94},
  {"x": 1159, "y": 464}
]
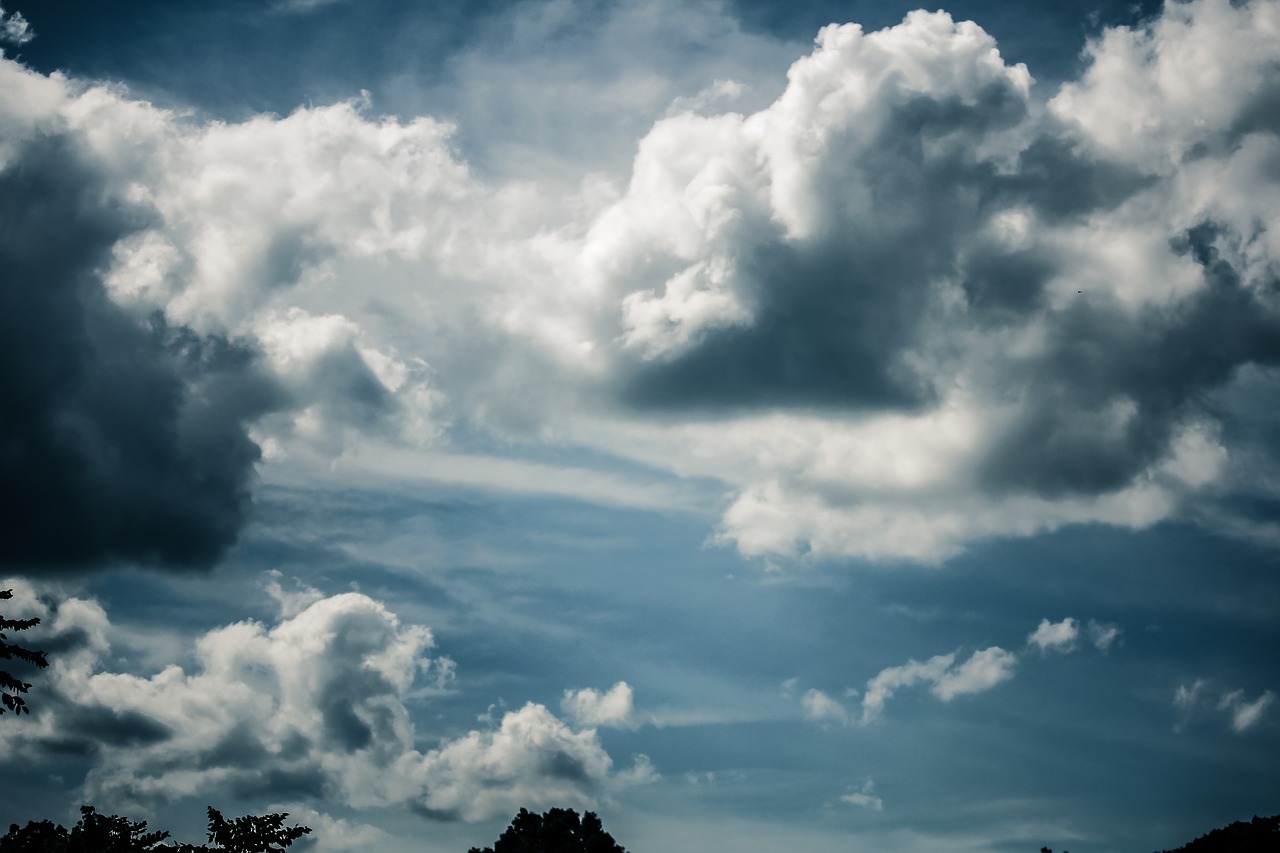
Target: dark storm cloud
[
  {"x": 113, "y": 727},
  {"x": 1060, "y": 182},
  {"x": 1160, "y": 362},
  {"x": 122, "y": 440}
]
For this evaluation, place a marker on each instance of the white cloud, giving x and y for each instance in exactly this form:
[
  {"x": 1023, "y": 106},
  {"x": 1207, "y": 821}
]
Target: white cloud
[
  {"x": 291, "y": 602},
  {"x": 14, "y": 29},
  {"x": 983, "y": 670},
  {"x": 1244, "y": 715},
  {"x": 1191, "y": 700},
  {"x": 532, "y": 759},
  {"x": 1103, "y": 635},
  {"x": 885, "y": 683},
  {"x": 313, "y": 706},
  {"x": 1055, "y": 636},
  {"x": 590, "y": 707},
  {"x": 820, "y": 707},
  {"x": 1154, "y": 91},
  {"x": 330, "y": 834}
]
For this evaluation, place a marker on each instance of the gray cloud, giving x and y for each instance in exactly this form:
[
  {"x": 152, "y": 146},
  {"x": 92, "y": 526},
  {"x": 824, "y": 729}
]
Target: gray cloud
[
  {"x": 898, "y": 189},
  {"x": 910, "y": 303},
  {"x": 1103, "y": 401},
  {"x": 124, "y": 438}
]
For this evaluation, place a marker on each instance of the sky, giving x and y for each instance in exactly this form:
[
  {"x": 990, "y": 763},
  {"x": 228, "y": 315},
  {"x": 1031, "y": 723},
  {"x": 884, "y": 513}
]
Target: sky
[{"x": 772, "y": 426}]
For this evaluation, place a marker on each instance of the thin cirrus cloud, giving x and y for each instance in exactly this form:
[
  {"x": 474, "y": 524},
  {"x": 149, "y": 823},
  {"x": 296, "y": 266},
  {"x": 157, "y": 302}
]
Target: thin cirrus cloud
[
  {"x": 314, "y": 706},
  {"x": 910, "y": 303}
]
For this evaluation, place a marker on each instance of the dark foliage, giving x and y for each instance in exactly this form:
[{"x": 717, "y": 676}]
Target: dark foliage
[
  {"x": 557, "y": 831},
  {"x": 94, "y": 833},
  {"x": 248, "y": 834},
  {"x": 1261, "y": 835},
  {"x": 12, "y": 687},
  {"x": 98, "y": 833}
]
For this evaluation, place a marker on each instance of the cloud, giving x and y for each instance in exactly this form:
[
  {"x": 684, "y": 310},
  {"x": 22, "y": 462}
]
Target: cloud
[
  {"x": 332, "y": 835},
  {"x": 1039, "y": 343},
  {"x": 910, "y": 303},
  {"x": 532, "y": 759},
  {"x": 820, "y": 707},
  {"x": 14, "y": 29},
  {"x": 589, "y": 707},
  {"x": 1188, "y": 694},
  {"x": 1244, "y": 715},
  {"x": 1055, "y": 636},
  {"x": 124, "y": 429},
  {"x": 314, "y": 706},
  {"x": 1191, "y": 700},
  {"x": 864, "y": 798},
  {"x": 1103, "y": 635},
  {"x": 983, "y": 670},
  {"x": 888, "y": 681}
]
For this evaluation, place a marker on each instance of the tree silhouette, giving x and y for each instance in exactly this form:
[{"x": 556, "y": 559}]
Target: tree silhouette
[
  {"x": 98, "y": 833},
  {"x": 1260, "y": 835},
  {"x": 12, "y": 687},
  {"x": 248, "y": 834},
  {"x": 94, "y": 833},
  {"x": 556, "y": 831}
]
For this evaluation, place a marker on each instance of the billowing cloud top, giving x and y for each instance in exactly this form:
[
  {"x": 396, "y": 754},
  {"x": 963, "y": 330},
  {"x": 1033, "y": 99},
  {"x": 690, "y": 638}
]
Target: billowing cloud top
[
  {"x": 908, "y": 304},
  {"x": 315, "y": 706}
]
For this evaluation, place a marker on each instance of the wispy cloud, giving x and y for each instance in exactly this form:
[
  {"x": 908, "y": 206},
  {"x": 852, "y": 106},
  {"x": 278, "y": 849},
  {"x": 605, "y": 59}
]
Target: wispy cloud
[
  {"x": 864, "y": 797},
  {"x": 820, "y": 707},
  {"x": 1193, "y": 699},
  {"x": 1244, "y": 715}
]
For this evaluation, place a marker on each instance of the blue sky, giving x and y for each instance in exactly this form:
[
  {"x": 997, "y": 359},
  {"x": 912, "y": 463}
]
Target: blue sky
[{"x": 767, "y": 425}]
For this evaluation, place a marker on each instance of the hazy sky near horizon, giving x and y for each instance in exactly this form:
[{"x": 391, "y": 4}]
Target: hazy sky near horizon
[{"x": 823, "y": 425}]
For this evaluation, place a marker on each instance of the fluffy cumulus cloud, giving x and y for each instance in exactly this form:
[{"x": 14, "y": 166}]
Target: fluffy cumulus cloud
[
  {"x": 532, "y": 759},
  {"x": 315, "y": 707},
  {"x": 988, "y": 298},
  {"x": 590, "y": 707},
  {"x": 14, "y": 29},
  {"x": 911, "y": 302},
  {"x": 1055, "y": 636}
]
